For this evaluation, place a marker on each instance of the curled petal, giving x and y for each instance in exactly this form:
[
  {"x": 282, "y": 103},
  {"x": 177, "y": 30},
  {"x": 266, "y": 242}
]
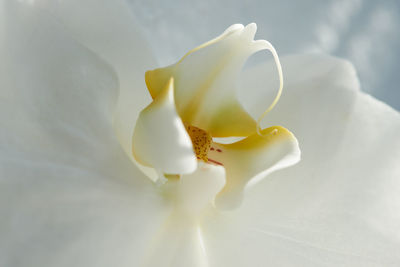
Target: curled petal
[
  {"x": 160, "y": 139},
  {"x": 251, "y": 159},
  {"x": 205, "y": 82}
]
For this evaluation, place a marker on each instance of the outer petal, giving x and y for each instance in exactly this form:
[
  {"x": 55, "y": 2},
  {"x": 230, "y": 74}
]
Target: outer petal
[
  {"x": 160, "y": 139},
  {"x": 251, "y": 159},
  {"x": 105, "y": 27},
  {"x": 69, "y": 196},
  {"x": 340, "y": 205},
  {"x": 205, "y": 82},
  {"x": 321, "y": 74}
]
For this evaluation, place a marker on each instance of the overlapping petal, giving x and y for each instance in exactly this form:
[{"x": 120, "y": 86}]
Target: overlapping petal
[
  {"x": 106, "y": 28},
  {"x": 250, "y": 160},
  {"x": 179, "y": 240},
  {"x": 160, "y": 139},
  {"x": 206, "y": 82},
  {"x": 339, "y": 205},
  {"x": 205, "y": 86},
  {"x": 69, "y": 196}
]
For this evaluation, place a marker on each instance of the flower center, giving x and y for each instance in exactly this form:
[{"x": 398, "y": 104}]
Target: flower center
[{"x": 201, "y": 141}]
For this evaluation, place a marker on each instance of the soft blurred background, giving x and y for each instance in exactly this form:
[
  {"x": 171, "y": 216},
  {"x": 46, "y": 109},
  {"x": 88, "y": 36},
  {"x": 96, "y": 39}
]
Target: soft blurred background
[{"x": 366, "y": 32}]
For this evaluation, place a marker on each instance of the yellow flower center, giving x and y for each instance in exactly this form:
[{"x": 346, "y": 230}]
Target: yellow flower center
[{"x": 201, "y": 141}]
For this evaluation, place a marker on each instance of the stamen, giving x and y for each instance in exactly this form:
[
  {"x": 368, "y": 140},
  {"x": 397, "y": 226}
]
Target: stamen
[
  {"x": 201, "y": 141},
  {"x": 279, "y": 68},
  {"x": 215, "y": 162}
]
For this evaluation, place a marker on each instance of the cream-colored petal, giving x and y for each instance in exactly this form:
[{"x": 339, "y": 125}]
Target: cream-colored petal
[
  {"x": 179, "y": 241},
  {"x": 179, "y": 244},
  {"x": 199, "y": 189},
  {"x": 205, "y": 82},
  {"x": 250, "y": 160},
  {"x": 160, "y": 140},
  {"x": 108, "y": 29}
]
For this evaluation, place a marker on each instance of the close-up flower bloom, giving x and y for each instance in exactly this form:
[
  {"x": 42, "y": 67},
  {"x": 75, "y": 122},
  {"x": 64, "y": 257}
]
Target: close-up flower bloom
[{"x": 109, "y": 159}]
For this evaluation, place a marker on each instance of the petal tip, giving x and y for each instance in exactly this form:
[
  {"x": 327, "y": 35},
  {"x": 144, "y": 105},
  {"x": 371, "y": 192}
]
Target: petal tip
[
  {"x": 250, "y": 30},
  {"x": 233, "y": 28}
]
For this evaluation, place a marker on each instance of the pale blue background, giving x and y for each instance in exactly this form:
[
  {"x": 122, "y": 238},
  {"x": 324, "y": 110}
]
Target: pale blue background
[{"x": 365, "y": 32}]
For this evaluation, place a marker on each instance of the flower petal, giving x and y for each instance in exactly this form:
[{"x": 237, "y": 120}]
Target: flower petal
[
  {"x": 301, "y": 71},
  {"x": 69, "y": 196},
  {"x": 160, "y": 139},
  {"x": 200, "y": 188},
  {"x": 251, "y": 159},
  {"x": 179, "y": 239},
  {"x": 205, "y": 82},
  {"x": 106, "y": 27},
  {"x": 340, "y": 205}
]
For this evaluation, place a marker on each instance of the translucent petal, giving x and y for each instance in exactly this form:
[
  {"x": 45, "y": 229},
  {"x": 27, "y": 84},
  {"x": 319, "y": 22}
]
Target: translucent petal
[
  {"x": 69, "y": 196},
  {"x": 160, "y": 139},
  {"x": 205, "y": 82},
  {"x": 340, "y": 205},
  {"x": 105, "y": 27},
  {"x": 315, "y": 71}
]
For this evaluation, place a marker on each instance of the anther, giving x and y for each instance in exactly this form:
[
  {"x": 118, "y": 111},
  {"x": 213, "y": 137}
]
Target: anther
[{"x": 201, "y": 141}]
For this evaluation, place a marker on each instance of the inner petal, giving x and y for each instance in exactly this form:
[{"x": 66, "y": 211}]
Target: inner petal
[
  {"x": 160, "y": 140},
  {"x": 206, "y": 86},
  {"x": 250, "y": 160}
]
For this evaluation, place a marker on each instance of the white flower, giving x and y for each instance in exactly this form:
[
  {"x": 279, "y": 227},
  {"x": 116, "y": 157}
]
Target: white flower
[
  {"x": 70, "y": 196},
  {"x": 194, "y": 102}
]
